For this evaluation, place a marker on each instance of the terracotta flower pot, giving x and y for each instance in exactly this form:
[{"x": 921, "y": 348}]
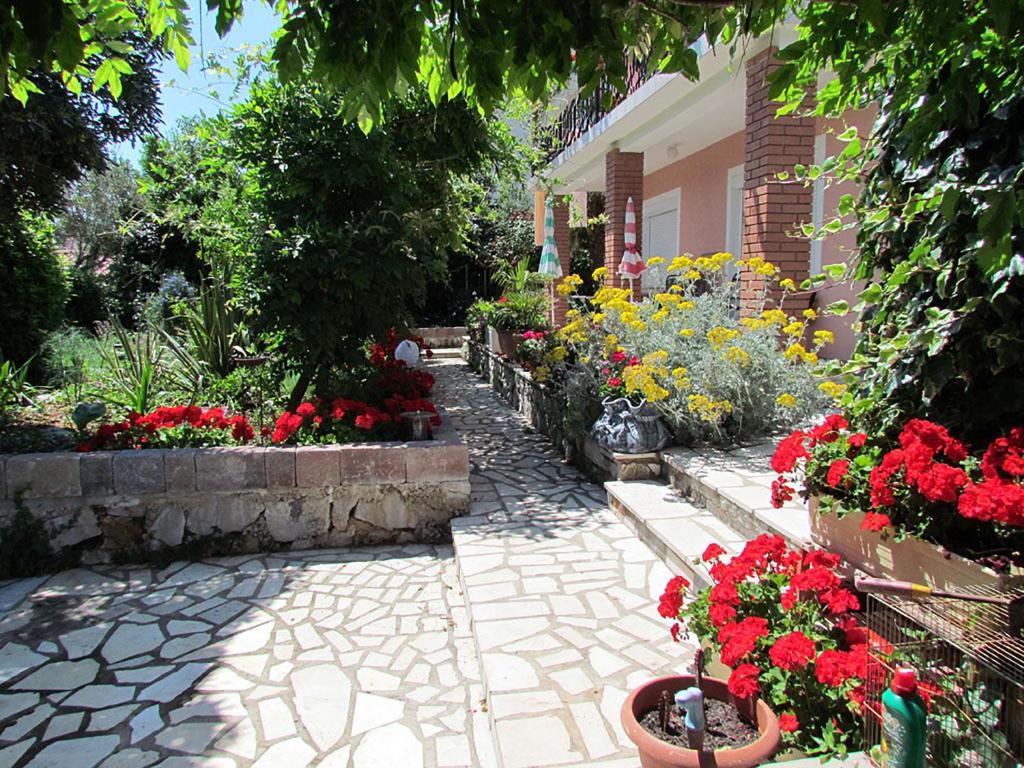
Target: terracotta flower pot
[
  {"x": 655, "y": 753},
  {"x": 503, "y": 342}
]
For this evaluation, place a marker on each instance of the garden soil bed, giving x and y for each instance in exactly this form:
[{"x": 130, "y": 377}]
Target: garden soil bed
[{"x": 725, "y": 728}]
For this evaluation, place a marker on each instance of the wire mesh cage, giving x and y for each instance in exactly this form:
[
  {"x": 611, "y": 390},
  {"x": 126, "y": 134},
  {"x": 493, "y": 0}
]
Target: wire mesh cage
[{"x": 969, "y": 657}]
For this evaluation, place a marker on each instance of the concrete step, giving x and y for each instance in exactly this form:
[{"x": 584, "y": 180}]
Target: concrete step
[
  {"x": 447, "y": 353},
  {"x": 852, "y": 760},
  {"x": 735, "y": 486},
  {"x": 676, "y": 530}
]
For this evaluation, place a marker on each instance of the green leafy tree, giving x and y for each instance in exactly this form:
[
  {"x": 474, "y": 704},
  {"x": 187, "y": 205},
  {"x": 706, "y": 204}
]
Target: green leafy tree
[
  {"x": 35, "y": 286},
  {"x": 195, "y": 185},
  {"x": 97, "y": 211},
  {"x": 356, "y": 224}
]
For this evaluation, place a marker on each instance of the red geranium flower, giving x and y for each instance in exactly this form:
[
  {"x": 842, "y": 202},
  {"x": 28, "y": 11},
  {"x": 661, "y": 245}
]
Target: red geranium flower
[
  {"x": 836, "y": 472},
  {"x": 743, "y": 681},
  {"x": 788, "y": 722},
  {"x": 672, "y": 598},
  {"x": 790, "y": 450},
  {"x": 792, "y": 651},
  {"x": 857, "y": 440},
  {"x": 875, "y": 521},
  {"x": 713, "y": 552}
]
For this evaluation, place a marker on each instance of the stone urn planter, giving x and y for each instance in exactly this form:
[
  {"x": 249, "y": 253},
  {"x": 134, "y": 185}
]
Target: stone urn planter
[
  {"x": 655, "y": 753},
  {"x": 628, "y": 428},
  {"x": 503, "y": 342},
  {"x": 908, "y": 560}
]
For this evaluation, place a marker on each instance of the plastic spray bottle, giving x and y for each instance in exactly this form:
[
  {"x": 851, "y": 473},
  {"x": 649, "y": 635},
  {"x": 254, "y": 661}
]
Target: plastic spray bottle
[{"x": 904, "y": 723}]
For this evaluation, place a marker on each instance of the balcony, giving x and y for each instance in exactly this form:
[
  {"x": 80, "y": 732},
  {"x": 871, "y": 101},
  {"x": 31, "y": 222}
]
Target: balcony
[{"x": 583, "y": 112}]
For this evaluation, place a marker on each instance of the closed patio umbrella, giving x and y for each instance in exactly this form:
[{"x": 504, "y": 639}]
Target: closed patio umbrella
[
  {"x": 550, "y": 266},
  {"x": 632, "y": 264}
]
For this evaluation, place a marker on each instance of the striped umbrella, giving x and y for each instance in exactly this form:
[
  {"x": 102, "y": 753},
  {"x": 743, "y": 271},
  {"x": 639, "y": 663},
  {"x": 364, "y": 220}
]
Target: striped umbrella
[
  {"x": 550, "y": 266},
  {"x": 632, "y": 265}
]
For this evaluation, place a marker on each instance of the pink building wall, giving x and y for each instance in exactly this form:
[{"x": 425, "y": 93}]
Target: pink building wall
[{"x": 702, "y": 178}]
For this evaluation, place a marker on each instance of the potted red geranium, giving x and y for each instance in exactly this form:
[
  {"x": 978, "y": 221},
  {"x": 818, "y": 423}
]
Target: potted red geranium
[
  {"x": 925, "y": 509},
  {"x": 780, "y": 621}
]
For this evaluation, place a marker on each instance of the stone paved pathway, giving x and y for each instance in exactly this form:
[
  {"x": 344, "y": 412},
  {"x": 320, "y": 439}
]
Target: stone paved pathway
[
  {"x": 562, "y": 596},
  {"x": 330, "y": 658},
  {"x": 358, "y": 657}
]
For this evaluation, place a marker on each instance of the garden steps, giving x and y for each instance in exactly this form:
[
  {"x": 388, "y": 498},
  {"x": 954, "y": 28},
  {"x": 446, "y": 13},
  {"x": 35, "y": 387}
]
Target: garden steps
[
  {"x": 677, "y": 530},
  {"x": 735, "y": 486}
]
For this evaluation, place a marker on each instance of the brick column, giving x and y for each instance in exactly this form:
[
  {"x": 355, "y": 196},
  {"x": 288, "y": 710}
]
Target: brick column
[
  {"x": 563, "y": 241},
  {"x": 773, "y": 210},
  {"x": 623, "y": 178}
]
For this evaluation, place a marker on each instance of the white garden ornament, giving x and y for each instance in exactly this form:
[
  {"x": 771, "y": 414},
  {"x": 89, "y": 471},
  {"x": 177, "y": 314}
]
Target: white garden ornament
[{"x": 408, "y": 352}]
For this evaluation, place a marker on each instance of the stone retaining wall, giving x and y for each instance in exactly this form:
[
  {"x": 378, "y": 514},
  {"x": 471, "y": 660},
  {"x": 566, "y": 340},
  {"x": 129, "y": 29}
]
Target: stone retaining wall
[
  {"x": 132, "y": 505},
  {"x": 443, "y": 337},
  {"x": 542, "y": 407}
]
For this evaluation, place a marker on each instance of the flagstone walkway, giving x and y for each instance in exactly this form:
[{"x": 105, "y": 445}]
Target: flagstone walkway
[
  {"x": 330, "y": 658},
  {"x": 562, "y": 595},
  {"x": 362, "y": 657}
]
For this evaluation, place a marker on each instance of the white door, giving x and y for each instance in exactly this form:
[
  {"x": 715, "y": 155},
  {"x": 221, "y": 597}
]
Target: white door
[
  {"x": 734, "y": 218},
  {"x": 661, "y": 238}
]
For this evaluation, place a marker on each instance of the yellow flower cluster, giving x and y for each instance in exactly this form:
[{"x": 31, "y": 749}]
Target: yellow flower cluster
[
  {"x": 832, "y": 389},
  {"x": 569, "y": 285},
  {"x": 541, "y": 374},
  {"x": 655, "y": 261},
  {"x": 786, "y": 400},
  {"x": 573, "y": 332},
  {"x": 775, "y": 317},
  {"x": 737, "y": 355},
  {"x": 810, "y": 314},
  {"x": 759, "y": 266},
  {"x": 607, "y": 294},
  {"x": 719, "y": 335},
  {"x": 796, "y": 328},
  {"x": 821, "y": 338},
  {"x": 558, "y": 354},
  {"x": 599, "y": 273},
  {"x": 794, "y": 351},
  {"x": 686, "y": 333},
  {"x": 643, "y": 378},
  {"x": 707, "y": 409},
  {"x": 787, "y": 284},
  {"x": 681, "y": 378}
]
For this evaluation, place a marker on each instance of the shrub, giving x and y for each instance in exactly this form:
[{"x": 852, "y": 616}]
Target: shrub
[
  {"x": 525, "y": 311},
  {"x": 34, "y": 286},
  {"x": 87, "y": 299},
  {"x": 780, "y": 620},
  {"x": 714, "y": 377}
]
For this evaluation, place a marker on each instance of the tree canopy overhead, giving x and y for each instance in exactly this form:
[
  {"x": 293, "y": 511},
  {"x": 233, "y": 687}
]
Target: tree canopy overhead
[{"x": 375, "y": 49}]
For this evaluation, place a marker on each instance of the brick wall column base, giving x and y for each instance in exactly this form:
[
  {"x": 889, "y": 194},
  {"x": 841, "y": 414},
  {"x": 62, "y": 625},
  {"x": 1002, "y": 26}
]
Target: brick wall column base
[{"x": 623, "y": 178}]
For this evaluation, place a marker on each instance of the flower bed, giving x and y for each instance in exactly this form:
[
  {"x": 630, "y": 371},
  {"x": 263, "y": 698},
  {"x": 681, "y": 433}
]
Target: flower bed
[
  {"x": 134, "y": 504},
  {"x": 928, "y": 488},
  {"x": 713, "y": 376}
]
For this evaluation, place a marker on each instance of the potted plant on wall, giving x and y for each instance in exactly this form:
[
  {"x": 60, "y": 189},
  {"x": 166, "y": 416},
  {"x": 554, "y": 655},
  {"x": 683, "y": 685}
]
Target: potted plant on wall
[
  {"x": 923, "y": 509},
  {"x": 513, "y": 314},
  {"x": 779, "y": 621}
]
